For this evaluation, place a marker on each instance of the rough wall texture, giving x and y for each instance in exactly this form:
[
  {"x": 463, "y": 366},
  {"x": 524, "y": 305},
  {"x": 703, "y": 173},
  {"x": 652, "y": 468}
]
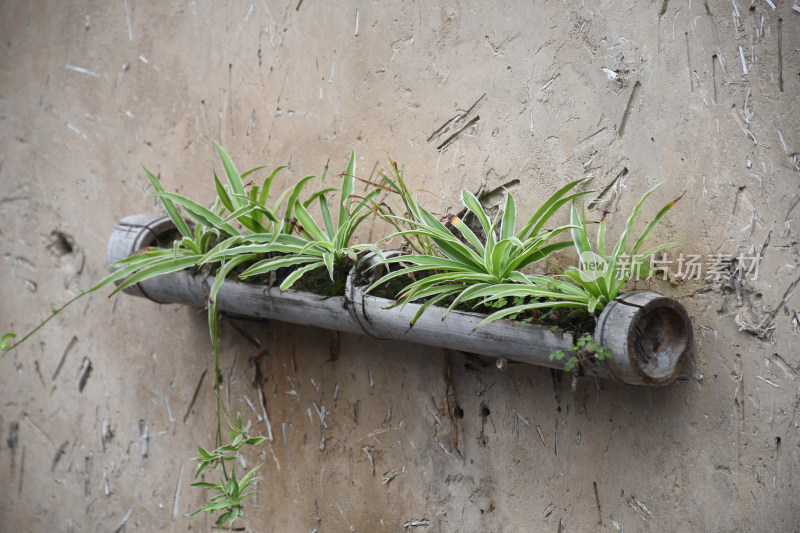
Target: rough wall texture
[{"x": 700, "y": 95}]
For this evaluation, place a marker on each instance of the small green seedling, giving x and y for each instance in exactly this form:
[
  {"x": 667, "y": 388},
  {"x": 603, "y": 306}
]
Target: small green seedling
[{"x": 584, "y": 348}]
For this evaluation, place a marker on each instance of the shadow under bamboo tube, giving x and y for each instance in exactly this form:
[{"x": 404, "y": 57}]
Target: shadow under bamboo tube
[{"x": 647, "y": 332}]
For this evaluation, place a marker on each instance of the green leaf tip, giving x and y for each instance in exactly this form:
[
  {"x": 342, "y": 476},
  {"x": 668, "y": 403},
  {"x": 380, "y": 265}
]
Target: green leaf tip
[{"x": 5, "y": 342}]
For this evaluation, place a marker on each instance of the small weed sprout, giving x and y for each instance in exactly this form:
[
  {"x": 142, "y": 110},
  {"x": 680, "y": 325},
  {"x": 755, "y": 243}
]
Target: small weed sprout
[{"x": 584, "y": 348}]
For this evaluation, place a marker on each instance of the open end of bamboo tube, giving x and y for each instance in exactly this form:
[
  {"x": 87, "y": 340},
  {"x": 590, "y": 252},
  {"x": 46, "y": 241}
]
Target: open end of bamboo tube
[
  {"x": 132, "y": 234},
  {"x": 648, "y": 334}
]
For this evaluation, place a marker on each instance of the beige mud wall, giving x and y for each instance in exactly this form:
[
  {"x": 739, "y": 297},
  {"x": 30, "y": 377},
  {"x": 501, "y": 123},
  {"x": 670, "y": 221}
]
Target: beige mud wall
[{"x": 701, "y": 96}]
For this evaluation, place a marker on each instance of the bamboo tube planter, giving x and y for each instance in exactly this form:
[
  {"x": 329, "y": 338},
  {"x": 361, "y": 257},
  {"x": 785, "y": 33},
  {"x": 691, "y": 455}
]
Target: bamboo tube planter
[{"x": 647, "y": 332}]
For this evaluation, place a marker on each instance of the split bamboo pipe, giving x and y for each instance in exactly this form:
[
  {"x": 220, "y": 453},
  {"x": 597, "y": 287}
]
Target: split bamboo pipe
[{"x": 647, "y": 332}]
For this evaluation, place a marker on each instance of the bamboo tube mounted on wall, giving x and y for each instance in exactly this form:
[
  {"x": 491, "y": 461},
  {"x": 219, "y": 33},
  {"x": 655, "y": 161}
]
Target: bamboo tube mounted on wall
[{"x": 648, "y": 333}]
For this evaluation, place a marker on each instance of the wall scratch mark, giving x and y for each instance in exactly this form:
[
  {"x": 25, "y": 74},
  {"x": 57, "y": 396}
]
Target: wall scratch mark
[
  {"x": 456, "y": 122},
  {"x": 714, "y": 60},
  {"x": 780, "y": 54},
  {"x": 624, "y": 120},
  {"x": 689, "y": 61},
  {"x": 128, "y": 18},
  {"x": 597, "y": 501},
  {"x": 194, "y": 396},
  {"x": 450, "y": 140},
  {"x": 71, "y": 345},
  {"x": 530, "y": 104},
  {"x": 21, "y": 472},
  {"x": 230, "y": 96}
]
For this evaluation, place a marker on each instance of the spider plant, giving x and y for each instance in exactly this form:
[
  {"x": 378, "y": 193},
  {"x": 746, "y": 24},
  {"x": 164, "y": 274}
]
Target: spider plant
[
  {"x": 313, "y": 246},
  {"x": 601, "y": 274},
  {"x": 468, "y": 265},
  {"x": 248, "y": 209},
  {"x": 394, "y": 184},
  {"x": 611, "y": 271}
]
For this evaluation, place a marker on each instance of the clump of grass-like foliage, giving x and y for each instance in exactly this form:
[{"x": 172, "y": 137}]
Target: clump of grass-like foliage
[{"x": 247, "y": 232}]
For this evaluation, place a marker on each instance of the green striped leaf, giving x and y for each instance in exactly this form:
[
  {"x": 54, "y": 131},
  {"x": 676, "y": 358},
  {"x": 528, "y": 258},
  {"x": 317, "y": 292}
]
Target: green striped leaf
[
  {"x": 232, "y": 174},
  {"x": 172, "y": 211}
]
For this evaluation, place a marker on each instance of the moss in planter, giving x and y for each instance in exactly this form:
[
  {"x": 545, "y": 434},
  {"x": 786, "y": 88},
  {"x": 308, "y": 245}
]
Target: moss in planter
[
  {"x": 391, "y": 288},
  {"x": 167, "y": 239},
  {"x": 576, "y": 320},
  {"x": 318, "y": 281}
]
